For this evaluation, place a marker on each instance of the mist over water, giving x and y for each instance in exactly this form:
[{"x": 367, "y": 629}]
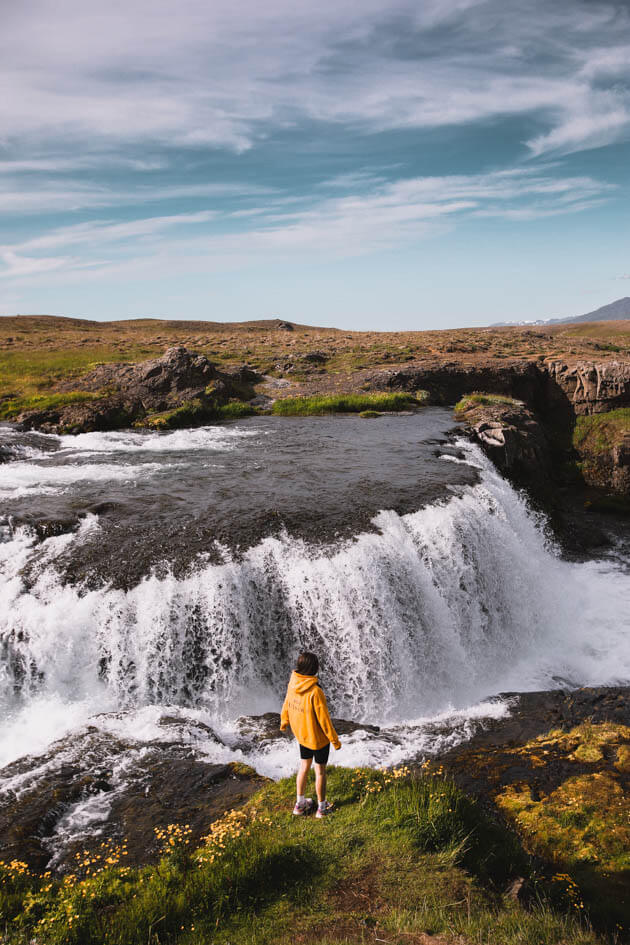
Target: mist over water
[{"x": 416, "y": 620}]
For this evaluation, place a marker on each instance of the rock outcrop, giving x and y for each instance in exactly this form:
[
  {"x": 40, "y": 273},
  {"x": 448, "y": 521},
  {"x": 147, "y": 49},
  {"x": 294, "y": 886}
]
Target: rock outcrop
[
  {"x": 511, "y": 436},
  {"x": 447, "y": 381},
  {"x": 93, "y": 788},
  {"x": 527, "y": 443},
  {"x": 591, "y": 387},
  {"x": 127, "y": 393}
]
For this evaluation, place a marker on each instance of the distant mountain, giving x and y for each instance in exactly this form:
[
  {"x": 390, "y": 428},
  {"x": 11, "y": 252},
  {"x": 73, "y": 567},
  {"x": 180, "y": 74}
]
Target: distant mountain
[{"x": 614, "y": 311}]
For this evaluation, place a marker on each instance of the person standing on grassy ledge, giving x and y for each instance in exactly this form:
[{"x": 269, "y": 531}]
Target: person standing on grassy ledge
[{"x": 305, "y": 709}]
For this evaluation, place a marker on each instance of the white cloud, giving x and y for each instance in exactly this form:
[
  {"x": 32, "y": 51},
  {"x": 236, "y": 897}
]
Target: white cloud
[
  {"x": 386, "y": 216},
  {"x": 221, "y": 74},
  {"x": 26, "y": 266},
  {"x": 42, "y": 196},
  {"x": 580, "y": 131}
]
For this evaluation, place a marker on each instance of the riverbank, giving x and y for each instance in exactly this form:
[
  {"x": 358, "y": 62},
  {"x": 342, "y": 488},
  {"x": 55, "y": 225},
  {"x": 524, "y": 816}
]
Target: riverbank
[
  {"x": 519, "y": 835},
  {"x": 407, "y": 855},
  {"x": 72, "y": 376}
]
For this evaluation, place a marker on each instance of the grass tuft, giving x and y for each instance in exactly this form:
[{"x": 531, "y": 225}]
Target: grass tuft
[
  {"x": 196, "y": 413},
  {"x": 482, "y": 400},
  {"x": 346, "y": 403},
  {"x": 13, "y": 406}
]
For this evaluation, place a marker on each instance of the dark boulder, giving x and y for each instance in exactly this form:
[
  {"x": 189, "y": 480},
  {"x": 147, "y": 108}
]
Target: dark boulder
[
  {"x": 130, "y": 392},
  {"x": 512, "y": 437},
  {"x": 91, "y": 788}
]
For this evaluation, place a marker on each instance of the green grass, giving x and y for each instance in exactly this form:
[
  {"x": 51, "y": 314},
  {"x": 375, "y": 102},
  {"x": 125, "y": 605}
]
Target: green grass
[
  {"x": 13, "y": 406},
  {"x": 399, "y": 855},
  {"x": 346, "y": 403},
  {"x": 25, "y": 373},
  {"x": 600, "y": 432},
  {"x": 482, "y": 400},
  {"x": 196, "y": 413}
]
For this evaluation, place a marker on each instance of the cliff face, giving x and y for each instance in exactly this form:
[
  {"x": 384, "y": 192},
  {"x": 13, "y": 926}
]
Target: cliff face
[
  {"x": 590, "y": 387},
  {"x": 554, "y": 397}
]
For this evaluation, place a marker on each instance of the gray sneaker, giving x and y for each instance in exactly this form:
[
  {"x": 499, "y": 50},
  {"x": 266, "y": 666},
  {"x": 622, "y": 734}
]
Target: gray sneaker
[
  {"x": 322, "y": 811},
  {"x": 304, "y": 808}
]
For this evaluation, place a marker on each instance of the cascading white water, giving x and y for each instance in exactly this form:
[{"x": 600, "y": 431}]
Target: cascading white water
[{"x": 440, "y": 607}]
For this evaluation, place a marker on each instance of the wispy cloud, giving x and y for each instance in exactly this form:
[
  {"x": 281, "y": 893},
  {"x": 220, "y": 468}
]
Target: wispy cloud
[
  {"x": 384, "y": 216},
  {"x": 42, "y": 196},
  {"x": 219, "y": 75}
]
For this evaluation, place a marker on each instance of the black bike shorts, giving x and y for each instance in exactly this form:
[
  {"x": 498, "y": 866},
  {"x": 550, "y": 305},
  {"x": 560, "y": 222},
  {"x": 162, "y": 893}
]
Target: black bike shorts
[{"x": 319, "y": 754}]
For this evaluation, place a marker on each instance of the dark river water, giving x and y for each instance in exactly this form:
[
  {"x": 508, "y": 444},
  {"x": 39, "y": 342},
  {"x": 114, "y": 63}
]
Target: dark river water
[{"x": 166, "y": 497}]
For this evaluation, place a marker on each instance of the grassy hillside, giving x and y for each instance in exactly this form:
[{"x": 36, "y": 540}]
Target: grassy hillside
[
  {"x": 38, "y": 353},
  {"x": 403, "y": 858}
]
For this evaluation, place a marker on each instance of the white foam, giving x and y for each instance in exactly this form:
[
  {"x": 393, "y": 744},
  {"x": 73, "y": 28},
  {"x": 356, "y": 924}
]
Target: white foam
[
  {"x": 21, "y": 478},
  {"x": 212, "y": 438}
]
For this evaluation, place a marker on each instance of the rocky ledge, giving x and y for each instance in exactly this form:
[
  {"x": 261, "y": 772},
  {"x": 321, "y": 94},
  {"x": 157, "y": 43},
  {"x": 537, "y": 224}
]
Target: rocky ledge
[
  {"x": 542, "y": 422},
  {"x": 179, "y": 386},
  {"x": 92, "y": 790},
  {"x": 510, "y": 435},
  {"x": 557, "y": 770}
]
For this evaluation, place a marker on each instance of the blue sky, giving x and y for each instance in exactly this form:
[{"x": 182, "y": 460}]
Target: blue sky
[{"x": 369, "y": 165}]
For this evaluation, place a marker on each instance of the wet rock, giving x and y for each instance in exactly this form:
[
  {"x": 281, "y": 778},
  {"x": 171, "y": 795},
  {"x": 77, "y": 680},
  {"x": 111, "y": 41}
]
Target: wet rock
[
  {"x": 512, "y": 438},
  {"x": 92, "y": 788},
  {"x": 257, "y": 728}
]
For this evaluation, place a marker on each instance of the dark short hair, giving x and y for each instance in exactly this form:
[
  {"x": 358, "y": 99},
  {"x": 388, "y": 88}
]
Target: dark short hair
[{"x": 307, "y": 664}]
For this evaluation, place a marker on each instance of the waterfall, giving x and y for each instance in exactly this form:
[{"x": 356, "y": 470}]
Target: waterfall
[{"x": 441, "y": 607}]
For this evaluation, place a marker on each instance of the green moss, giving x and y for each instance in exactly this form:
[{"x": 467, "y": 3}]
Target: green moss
[
  {"x": 346, "y": 403},
  {"x": 402, "y": 854},
  {"x": 195, "y": 413},
  {"x": 478, "y": 399},
  {"x": 13, "y": 406},
  {"x": 582, "y": 823},
  {"x": 600, "y": 432},
  {"x": 369, "y": 414}
]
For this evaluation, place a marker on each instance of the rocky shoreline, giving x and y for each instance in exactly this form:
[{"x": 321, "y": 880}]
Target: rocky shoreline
[
  {"x": 530, "y": 439},
  {"x": 119, "y": 789}
]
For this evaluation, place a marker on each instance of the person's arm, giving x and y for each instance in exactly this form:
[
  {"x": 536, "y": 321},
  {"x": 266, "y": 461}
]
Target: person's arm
[
  {"x": 323, "y": 717},
  {"x": 284, "y": 715}
]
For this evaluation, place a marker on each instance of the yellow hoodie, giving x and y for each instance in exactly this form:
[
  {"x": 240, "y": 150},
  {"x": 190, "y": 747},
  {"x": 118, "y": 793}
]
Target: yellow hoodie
[{"x": 306, "y": 711}]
